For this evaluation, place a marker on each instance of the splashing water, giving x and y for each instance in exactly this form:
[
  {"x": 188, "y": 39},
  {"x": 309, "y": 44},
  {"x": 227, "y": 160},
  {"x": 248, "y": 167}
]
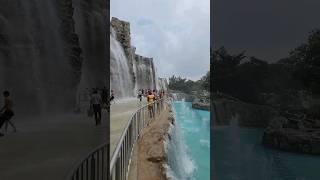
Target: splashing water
[
  {"x": 120, "y": 78},
  {"x": 189, "y": 147}
]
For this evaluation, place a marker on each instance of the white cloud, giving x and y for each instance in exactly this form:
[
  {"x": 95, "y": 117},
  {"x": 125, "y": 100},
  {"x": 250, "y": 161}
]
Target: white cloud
[{"x": 176, "y": 33}]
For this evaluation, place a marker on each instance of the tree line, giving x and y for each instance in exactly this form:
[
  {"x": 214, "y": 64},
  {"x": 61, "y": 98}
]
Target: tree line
[
  {"x": 187, "y": 86},
  {"x": 249, "y": 78}
]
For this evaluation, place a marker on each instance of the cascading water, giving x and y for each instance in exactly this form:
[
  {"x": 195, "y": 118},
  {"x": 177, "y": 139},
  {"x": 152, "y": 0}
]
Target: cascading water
[
  {"x": 120, "y": 78},
  {"x": 145, "y": 74},
  {"x": 40, "y": 55},
  {"x": 163, "y": 84},
  {"x": 188, "y": 149},
  {"x": 34, "y": 65},
  {"x": 91, "y": 28},
  {"x": 180, "y": 165},
  {"x": 129, "y": 71}
]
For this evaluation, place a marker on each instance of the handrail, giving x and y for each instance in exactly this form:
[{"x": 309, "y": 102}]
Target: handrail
[
  {"x": 95, "y": 164},
  {"x": 121, "y": 158},
  {"x": 92, "y": 166}
]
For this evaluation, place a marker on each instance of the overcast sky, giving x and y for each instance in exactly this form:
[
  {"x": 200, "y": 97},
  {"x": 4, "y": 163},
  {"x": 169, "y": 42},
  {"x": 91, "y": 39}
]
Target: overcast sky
[
  {"x": 267, "y": 29},
  {"x": 176, "y": 33}
]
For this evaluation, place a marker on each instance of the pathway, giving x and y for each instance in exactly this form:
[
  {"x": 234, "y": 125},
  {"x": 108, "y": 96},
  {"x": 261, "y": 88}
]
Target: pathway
[
  {"x": 120, "y": 113},
  {"x": 47, "y": 148}
]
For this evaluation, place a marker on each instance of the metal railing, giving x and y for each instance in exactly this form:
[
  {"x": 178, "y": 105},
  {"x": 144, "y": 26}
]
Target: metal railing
[
  {"x": 121, "y": 158},
  {"x": 93, "y": 166}
]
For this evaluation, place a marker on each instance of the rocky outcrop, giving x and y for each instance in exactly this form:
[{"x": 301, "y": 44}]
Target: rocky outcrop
[
  {"x": 201, "y": 106},
  {"x": 249, "y": 115},
  {"x": 122, "y": 31},
  {"x": 141, "y": 70},
  {"x": 293, "y": 134}
]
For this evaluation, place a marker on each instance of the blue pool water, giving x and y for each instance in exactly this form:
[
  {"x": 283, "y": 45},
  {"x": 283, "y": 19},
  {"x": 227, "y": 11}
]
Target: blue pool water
[
  {"x": 189, "y": 147},
  {"x": 239, "y": 155}
]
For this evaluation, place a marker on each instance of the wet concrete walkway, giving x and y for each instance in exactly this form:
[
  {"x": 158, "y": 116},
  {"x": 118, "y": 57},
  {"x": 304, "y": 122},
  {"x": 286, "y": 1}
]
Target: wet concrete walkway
[
  {"x": 47, "y": 148},
  {"x": 120, "y": 113}
]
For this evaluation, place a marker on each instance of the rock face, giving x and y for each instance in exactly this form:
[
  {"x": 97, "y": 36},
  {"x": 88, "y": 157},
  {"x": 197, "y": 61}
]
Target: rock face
[
  {"x": 123, "y": 36},
  {"x": 127, "y": 67},
  {"x": 201, "y": 106},
  {"x": 249, "y": 115},
  {"x": 120, "y": 78},
  {"x": 293, "y": 134},
  {"x": 43, "y": 52},
  {"x": 122, "y": 30}
]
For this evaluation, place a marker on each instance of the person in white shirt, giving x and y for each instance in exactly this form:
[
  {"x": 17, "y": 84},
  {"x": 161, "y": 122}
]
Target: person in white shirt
[{"x": 96, "y": 102}]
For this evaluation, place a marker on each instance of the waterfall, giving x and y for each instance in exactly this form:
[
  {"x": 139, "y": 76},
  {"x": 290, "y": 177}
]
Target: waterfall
[
  {"x": 180, "y": 165},
  {"x": 33, "y": 64},
  {"x": 163, "y": 84},
  {"x": 40, "y": 54},
  {"x": 120, "y": 78},
  {"x": 129, "y": 71},
  {"x": 145, "y": 73}
]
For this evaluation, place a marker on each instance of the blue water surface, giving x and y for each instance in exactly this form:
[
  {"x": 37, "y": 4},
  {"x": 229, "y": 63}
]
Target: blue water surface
[
  {"x": 195, "y": 128},
  {"x": 239, "y": 155}
]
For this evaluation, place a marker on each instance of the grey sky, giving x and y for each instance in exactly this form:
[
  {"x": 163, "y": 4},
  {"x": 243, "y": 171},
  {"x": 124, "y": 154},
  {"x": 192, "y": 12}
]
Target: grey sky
[
  {"x": 175, "y": 33},
  {"x": 267, "y": 29}
]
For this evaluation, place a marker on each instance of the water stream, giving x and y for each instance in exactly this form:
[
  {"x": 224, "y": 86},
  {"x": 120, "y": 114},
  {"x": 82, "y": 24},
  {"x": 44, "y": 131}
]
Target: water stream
[{"x": 120, "y": 78}]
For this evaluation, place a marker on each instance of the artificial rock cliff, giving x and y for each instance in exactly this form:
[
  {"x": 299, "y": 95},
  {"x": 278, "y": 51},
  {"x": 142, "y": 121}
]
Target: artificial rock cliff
[
  {"x": 45, "y": 48},
  {"x": 248, "y": 115},
  {"x": 139, "y": 71}
]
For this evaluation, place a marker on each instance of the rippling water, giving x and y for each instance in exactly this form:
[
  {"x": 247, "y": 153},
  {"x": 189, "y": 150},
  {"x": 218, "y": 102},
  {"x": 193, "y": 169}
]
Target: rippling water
[{"x": 239, "y": 155}]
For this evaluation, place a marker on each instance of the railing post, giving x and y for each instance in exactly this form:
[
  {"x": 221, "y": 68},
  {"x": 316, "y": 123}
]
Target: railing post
[{"x": 93, "y": 170}]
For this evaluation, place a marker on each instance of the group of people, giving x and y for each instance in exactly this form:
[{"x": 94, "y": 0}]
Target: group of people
[
  {"x": 6, "y": 112},
  {"x": 152, "y": 96},
  {"x": 145, "y": 93}
]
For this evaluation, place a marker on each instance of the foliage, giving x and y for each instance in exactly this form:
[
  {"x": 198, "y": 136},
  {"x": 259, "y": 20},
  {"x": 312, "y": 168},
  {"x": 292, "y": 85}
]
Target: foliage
[
  {"x": 249, "y": 78},
  {"x": 187, "y": 86}
]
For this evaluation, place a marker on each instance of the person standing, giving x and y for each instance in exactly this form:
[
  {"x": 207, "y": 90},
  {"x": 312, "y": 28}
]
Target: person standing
[
  {"x": 140, "y": 95},
  {"x": 112, "y": 97},
  {"x": 7, "y": 112},
  {"x": 150, "y": 100},
  {"x": 104, "y": 96},
  {"x": 96, "y": 102}
]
